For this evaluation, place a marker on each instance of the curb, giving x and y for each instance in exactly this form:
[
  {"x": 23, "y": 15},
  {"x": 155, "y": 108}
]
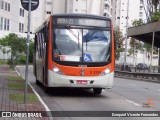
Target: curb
[{"x": 40, "y": 99}]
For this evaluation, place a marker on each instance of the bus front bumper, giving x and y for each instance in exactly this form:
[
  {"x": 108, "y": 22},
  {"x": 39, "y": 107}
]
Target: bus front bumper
[{"x": 56, "y": 80}]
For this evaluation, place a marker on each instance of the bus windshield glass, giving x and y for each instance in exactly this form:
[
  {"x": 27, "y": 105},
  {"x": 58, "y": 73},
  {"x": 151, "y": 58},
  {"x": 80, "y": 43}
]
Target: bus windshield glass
[{"x": 81, "y": 45}]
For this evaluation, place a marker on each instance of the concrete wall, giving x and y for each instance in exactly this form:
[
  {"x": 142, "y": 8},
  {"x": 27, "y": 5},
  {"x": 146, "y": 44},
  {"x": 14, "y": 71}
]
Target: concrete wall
[{"x": 148, "y": 28}]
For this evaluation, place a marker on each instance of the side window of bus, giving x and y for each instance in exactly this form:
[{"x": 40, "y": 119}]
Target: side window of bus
[
  {"x": 45, "y": 39},
  {"x": 40, "y": 44}
]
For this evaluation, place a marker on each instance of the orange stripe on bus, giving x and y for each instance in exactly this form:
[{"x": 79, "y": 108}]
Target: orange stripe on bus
[{"x": 50, "y": 45}]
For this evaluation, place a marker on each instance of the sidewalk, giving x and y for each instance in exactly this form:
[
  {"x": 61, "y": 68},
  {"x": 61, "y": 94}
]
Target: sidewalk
[{"x": 11, "y": 86}]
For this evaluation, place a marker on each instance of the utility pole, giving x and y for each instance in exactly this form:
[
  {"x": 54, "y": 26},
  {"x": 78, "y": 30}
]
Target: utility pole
[
  {"x": 125, "y": 56},
  {"x": 28, "y": 5},
  {"x": 153, "y": 35},
  {"x": 27, "y": 52}
]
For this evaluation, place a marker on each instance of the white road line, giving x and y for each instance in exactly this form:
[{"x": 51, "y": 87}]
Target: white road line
[
  {"x": 136, "y": 104},
  {"x": 40, "y": 99}
]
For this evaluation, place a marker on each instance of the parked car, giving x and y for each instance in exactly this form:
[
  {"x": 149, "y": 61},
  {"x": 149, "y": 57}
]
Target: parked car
[{"x": 142, "y": 66}]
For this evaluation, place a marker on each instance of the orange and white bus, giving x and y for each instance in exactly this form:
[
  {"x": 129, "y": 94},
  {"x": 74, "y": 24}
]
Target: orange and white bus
[{"x": 75, "y": 50}]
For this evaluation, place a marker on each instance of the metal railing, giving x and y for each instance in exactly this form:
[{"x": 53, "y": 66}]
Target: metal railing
[
  {"x": 127, "y": 68},
  {"x": 130, "y": 72}
]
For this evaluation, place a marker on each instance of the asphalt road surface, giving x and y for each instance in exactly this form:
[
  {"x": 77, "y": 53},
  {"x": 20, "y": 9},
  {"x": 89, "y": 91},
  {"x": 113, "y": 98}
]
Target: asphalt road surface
[{"x": 126, "y": 95}]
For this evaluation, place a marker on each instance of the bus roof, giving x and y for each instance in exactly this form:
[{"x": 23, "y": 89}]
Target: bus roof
[
  {"x": 73, "y": 15},
  {"x": 81, "y": 15}
]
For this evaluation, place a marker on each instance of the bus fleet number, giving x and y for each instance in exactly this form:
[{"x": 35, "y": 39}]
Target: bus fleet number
[{"x": 64, "y": 21}]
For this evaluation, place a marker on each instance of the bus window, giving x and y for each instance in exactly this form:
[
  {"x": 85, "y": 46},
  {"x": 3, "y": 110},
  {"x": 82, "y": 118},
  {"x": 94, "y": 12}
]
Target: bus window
[
  {"x": 67, "y": 44},
  {"x": 82, "y": 45},
  {"x": 96, "y": 45}
]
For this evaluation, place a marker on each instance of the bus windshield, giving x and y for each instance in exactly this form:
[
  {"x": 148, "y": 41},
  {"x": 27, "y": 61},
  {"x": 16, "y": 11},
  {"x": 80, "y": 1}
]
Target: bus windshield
[{"x": 81, "y": 45}]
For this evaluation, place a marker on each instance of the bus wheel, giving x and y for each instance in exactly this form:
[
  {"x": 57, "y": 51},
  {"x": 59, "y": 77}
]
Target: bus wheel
[
  {"x": 46, "y": 89},
  {"x": 37, "y": 82},
  {"x": 97, "y": 90}
]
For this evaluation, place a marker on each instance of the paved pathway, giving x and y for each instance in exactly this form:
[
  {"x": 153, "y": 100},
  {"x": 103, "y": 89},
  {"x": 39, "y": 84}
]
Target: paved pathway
[{"x": 6, "y": 104}]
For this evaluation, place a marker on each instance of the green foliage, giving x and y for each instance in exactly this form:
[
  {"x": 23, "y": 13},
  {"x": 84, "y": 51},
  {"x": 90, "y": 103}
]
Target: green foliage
[
  {"x": 22, "y": 59},
  {"x": 147, "y": 47},
  {"x": 19, "y": 97},
  {"x": 14, "y": 78},
  {"x": 137, "y": 22},
  {"x": 118, "y": 36},
  {"x": 18, "y": 49},
  {"x": 134, "y": 46},
  {"x": 15, "y": 85},
  {"x": 117, "y": 54},
  {"x": 155, "y": 17},
  {"x": 2, "y": 62},
  {"x": 17, "y": 45},
  {"x": 31, "y": 50}
]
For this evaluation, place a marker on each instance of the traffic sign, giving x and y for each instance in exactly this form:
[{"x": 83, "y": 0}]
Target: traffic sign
[{"x": 34, "y": 4}]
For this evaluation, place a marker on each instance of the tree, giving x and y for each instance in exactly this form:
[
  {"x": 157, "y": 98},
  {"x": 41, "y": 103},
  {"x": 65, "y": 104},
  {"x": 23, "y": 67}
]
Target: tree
[
  {"x": 137, "y": 22},
  {"x": 17, "y": 45},
  {"x": 148, "y": 49},
  {"x": 31, "y": 50},
  {"x": 118, "y": 36},
  {"x": 155, "y": 17},
  {"x": 4, "y": 51},
  {"x": 134, "y": 47}
]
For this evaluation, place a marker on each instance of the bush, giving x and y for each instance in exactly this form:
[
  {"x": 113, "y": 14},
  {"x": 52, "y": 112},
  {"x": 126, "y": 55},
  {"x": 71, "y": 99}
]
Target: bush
[
  {"x": 2, "y": 62},
  {"x": 22, "y": 59},
  {"x": 155, "y": 17}
]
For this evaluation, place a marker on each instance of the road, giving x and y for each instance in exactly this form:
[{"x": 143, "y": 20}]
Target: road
[{"x": 127, "y": 95}]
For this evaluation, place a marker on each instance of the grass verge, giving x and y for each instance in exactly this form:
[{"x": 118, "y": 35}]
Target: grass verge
[
  {"x": 17, "y": 85},
  {"x": 2, "y": 62},
  {"x": 19, "y": 97},
  {"x": 14, "y": 78}
]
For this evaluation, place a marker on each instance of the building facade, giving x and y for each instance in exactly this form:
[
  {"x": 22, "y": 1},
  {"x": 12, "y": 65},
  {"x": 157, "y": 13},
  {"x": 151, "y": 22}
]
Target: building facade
[
  {"x": 135, "y": 12},
  {"x": 12, "y": 17},
  {"x": 12, "y": 20}
]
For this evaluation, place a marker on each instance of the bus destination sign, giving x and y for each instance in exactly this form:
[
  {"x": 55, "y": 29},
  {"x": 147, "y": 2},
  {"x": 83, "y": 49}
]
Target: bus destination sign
[{"x": 81, "y": 22}]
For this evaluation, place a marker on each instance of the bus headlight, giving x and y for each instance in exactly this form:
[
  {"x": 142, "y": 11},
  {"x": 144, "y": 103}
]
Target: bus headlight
[
  {"x": 105, "y": 72},
  {"x": 57, "y": 70}
]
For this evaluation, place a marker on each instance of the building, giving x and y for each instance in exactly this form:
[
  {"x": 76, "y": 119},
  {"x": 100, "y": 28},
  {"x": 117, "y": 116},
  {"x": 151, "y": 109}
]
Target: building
[
  {"x": 12, "y": 20},
  {"x": 108, "y": 8},
  {"x": 135, "y": 12},
  {"x": 12, "y": 17}
]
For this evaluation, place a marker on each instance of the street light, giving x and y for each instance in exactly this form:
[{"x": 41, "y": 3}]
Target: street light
[{"x": 125, "y": 56}]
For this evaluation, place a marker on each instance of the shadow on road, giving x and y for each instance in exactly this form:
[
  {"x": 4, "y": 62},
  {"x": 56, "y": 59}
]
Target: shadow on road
[{"x": 70, "y": 92}]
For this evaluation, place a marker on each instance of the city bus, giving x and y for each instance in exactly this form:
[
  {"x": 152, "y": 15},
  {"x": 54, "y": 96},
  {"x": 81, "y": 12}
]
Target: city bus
[{"x": 75, "y": 50}]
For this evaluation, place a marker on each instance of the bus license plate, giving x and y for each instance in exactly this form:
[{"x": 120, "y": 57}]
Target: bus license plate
[{"x": 82, "y": 82}]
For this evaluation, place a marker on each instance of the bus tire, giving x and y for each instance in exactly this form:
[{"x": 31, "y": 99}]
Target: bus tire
[
  {"x": 46, "y": 89},
  {"x": 97, "y": 91},
  {"x": 37, "y": 82}
]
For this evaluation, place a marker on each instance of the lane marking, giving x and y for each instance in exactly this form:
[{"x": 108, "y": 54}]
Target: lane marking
[
  {"x": 40, "y": 99},
  {"x": 136, "y": 104}
]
